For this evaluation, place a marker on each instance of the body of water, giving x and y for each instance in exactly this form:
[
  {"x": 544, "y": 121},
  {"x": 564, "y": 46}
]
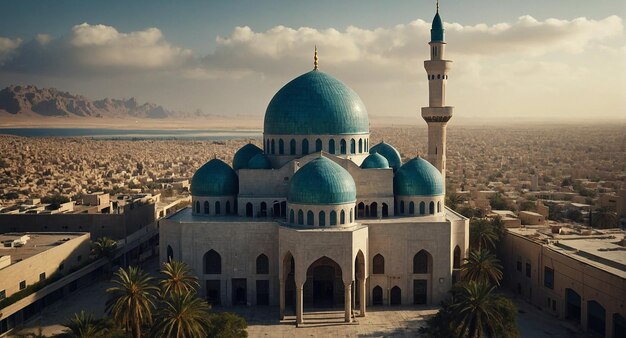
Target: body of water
[{"x": 129, "y": 134}]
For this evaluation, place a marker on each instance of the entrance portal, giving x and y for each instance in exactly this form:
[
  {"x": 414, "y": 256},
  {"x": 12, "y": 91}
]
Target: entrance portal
[
  {"x": 420, "y": 291},
  {"x": 240, "y": 291},
  {"x": 324, "y": 286}
]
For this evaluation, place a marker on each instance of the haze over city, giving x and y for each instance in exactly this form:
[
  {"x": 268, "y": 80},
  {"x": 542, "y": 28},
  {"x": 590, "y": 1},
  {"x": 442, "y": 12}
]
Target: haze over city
[{"x": 525, "y": 62}]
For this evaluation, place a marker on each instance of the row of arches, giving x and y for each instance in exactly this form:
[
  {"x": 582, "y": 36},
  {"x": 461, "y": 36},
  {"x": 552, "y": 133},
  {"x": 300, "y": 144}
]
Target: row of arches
[
  {"x": 217, "y": 208},
  {"x": 371, "y": 210},
  {"x": 341, "y": 146},
  {"x": 439, "y": 77},
  {"x": 422, "y": 263},
  {"x": 596, "y": 315},
  {"x": 212, "y": 263},
  {"x": 408, "y": 208},
  {"x": 277, "y": 209},
  {"x": 298, "y": 217}
]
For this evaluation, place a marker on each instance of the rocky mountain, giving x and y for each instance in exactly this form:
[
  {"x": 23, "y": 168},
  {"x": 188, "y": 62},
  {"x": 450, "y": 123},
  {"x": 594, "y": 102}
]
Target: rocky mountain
[{"x": 30, "y": 101}]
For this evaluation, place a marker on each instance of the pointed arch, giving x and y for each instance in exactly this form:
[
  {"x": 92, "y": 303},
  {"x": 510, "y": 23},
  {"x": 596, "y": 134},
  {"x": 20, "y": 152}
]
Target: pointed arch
[
  {"x": 411, "y": 208},
  {"x": 292, "y": 147},
  {"x": 360, "y": 145},
  {"x": 422, "y": 208},
  {"x": 342, "y": 147},
  {"x": 300, "y": 217},
  {"x": 331, "y": 146},
  {"x": 217, "y": 208},
  {"x": 212, "y": 262},
  {"x": 281, "y": 147},
  {"x": 197, "y": 207},
  {"x": 352, "y": 146},
  {"x": 438, "y": 207},
  {"x": 342, "y": 217},
  {"x": 305, "y": 147},
  {"x": 377, "y": 295},
  {"x": 333, "y": 217},
  {"x": 322, "y": 218},
  {"x": 385, "y": 210},
  {"x": 456, "y": 262},
  {"x": 170, "y": 253},
  {"x": 431, "y": 208},
  {"x": 249, "y": 210},
  {"x": 396, "y": 296},
  {"x": 262, "y": 265},
  {"x": 378, "y": 265},
  {"x": 310, "y": 218},
  {"x": 318, "y": 145},
  {"x": 227, "y": 207},
  {"x": 422, "y": 262},
  {"x": 291, "y": 216},
  {"x": 206, "y": 207}
]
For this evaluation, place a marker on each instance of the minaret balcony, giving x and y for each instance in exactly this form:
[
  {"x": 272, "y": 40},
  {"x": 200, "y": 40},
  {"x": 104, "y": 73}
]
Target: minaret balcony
[{"x": 437, "y": 114}]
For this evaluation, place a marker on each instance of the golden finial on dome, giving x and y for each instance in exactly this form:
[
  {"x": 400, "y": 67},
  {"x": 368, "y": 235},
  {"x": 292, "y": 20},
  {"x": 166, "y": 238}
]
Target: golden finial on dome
[{"x": 315, "y": 59}]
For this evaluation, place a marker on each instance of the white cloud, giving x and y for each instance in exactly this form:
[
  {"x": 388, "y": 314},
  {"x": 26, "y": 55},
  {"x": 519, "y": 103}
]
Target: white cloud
[{"x": 7, "y": 47}]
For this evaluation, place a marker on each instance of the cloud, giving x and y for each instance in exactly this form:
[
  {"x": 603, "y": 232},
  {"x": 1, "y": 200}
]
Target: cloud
[
  {"x": 7, "y": 47},
  {"x": 90, "y": 49}
]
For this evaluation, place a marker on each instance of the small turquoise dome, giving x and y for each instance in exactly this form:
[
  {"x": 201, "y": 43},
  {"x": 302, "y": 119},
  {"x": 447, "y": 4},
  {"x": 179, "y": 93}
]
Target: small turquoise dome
[
  {"x": 375, "y": 161},
  {"x": 436, "y": 31},
  {"x": 316, "y": 103},
  {"x": 215, "y": 178},
  {"x": 390, "y": 153},
  {"x": 417, "y": 177},
  {"x": 259, "y": 161},
  {"x": 244, "y": 154},
  {"x": 322, "y": 181}
]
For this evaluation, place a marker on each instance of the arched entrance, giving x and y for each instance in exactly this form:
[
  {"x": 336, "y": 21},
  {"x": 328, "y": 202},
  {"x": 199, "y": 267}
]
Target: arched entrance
[
  {"x": 324, "y": 286},
  {"x": 249, "y": 210},
  {"x": 396, "y": 296},
  {"x": 572, "y": 309},
  {"x": 289, "y": 272},
  {"x": 377, "y": 295}
]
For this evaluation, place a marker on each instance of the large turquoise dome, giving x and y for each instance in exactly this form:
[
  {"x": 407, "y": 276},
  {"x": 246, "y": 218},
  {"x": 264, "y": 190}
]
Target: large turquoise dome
[
  {"x": 316, "y": 103},
  {"x": 259, "y": 161},
  {"x": 417, "y": 177},
  {"x": 375, "y": 161},
  {"x": 390, "y": 153},
  {"x": 244, "y": 154},
  {"x": 215, "y": 178},
  {"x": 322, "y": 182}
]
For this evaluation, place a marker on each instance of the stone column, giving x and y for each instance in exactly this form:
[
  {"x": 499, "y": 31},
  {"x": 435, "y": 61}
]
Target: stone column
[
  {"x": 281, "y": 298},
  {"x": 362, "y": 297},
  {"x": 299, "y": 305},
  {"x": 348, "y": 301}
]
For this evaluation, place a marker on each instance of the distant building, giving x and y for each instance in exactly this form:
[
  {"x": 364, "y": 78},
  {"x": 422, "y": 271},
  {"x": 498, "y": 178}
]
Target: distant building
[
  {"x": 571, "y": 272},
  {"x": 531, "y": 218}
]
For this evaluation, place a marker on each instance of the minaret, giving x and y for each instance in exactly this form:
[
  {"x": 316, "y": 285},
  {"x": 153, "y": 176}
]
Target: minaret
[{"x": 437, "y": 113}]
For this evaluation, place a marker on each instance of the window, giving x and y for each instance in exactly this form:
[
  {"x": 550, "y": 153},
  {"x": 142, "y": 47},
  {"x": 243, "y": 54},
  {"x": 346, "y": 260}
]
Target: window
[
  {"x": 401, "y": 207},
  {"x": 421, "y": 262},
  {"x": 456, "y": 262},
  {"x": 300, "y": 217},
  {"x": 291, "y": 216},
  {"x": 212, "y": 262},
  {"x": 519, "y": 266},
  {"x": 333, "y": 217},
  {"x": 206, "y": 207},
  {"x": 273, "y": 150},
  {"x": 318, "y": 145},
  {"x": 528, "y": 270},
  {"x": 217, "y": 208},
  {"x": 342, "y": 146},
  {"x": 42, "y": 276},
  {"x": 281, "y": 147},
  {"x": 3, "y": 294},
  {"x": 379, "y": 265},
  {"x": 322, "y": 218},
  {"x": 352, "y": 146},
  {"x": 197, "y": 208},
  {"x": 305, "y": 147},
  {"x": 309, "y": 218},
  {"x": 23, "y": 285},
  {"x": 360, "y": 146},
  {"x": 262, "y": 265},
  {"x": 548, "y": 277},
  {"x": 431, "y": 208},
  {"x": 331, "y": 146},
  {"x": 422, "y": 208},
  {"x": 292, "y": 147},
  {"x": 342, "y": 217},
  {"x": 411, "y": 208}
]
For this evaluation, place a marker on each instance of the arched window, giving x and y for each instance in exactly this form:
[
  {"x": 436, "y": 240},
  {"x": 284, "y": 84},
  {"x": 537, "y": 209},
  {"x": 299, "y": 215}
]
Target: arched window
[
  {"x": 318, "y": 145},
  {"x": 360, "y": 145},
  {"x": 396, "y": 296},
  {"x": 170, "y": 253},
  {"x": 305, "y": 147},
  {"x": 212, "y": 262},
  {"x": 249, "y": 210},
  {"x": 206, "y": 207},
  {"x": 402, "y": 207},
  {"x": 263, "y": 209},
  {"x": 421, "y": 262},
  {"x": 273, "y": 151},
  {"x": 456, "y": 263},
  {"x": 342, "y": 146},
  {"x": 300, "y": 217},
  {"x": 281, "y": 147},
  {"x": 197, "y": 207},
  {"x": 411, "y": 208},
  {"x": 333, "y": 217},
  {"x": 385, "y": 210},
  {"x": 422, "y": 208},
  {"x": 379, "y": 265},
  {"x": 310, "y": 218},
  {"x": 267, "y": 146},
  {"x": 342, "y": 217},
  {"x": 291, "y": 216},
  {"x": 352, "y": 146},
  {"x": 331, "y": 146},
  {"x": 292, "y": 147},
  {"x": 438, "y": 76},
  {"x": 438, "y": 206},
  {"x": 322, "y": 219},
  {"x": 262, "y": 265},
  {"x": 377, "y": 295},
  {"x": 217, "y": 208},
  {"x": 431, "y": 208},
  {"x": 227, "y": 207}
]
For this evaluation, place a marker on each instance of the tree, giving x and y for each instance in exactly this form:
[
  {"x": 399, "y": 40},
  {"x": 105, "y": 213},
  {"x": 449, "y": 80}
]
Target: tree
[
  {"x": 182, "y": 315},
  {"x": 178, "y": 278},
  {"x": 55, "y": 199},
  {"x": 482, "y": 234},
  {"x": 453, "y": 200},
  {"x": 527, "y": 206},
  {"x": 439, "y": 324},
  {"x": 83, "y": 325},
  {"x": 478, "y": 312},
  {"x": 104, "y": 247},
  {"x": 498, "y": 202},
  {"x": 574, "y": 215},
  {"x": 603, "y": 218},
  {"x": 227, "y": 325},
  {"x": 482, "y": 266},
  {"x": 131, "y": 300}
]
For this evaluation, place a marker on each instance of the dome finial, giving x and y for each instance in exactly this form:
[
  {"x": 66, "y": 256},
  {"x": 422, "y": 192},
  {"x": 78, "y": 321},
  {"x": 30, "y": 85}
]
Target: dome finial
[
  {"x": 437, "y": 6},
  {"x": 315, "y": 60}
]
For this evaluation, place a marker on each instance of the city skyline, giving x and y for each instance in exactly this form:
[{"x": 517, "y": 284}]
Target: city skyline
[{"x": 521, "y": 62}]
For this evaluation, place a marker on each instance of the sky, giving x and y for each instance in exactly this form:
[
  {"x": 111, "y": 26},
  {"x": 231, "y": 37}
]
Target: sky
[{"x": 559, "y": 60}]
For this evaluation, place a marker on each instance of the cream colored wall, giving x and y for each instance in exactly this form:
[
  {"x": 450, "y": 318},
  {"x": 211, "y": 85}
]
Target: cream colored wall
[{"x": 45, "y": 262}]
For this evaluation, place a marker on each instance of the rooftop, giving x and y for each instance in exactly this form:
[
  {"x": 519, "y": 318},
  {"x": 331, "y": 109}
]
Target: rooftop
[{"x": 37, "y": 243}]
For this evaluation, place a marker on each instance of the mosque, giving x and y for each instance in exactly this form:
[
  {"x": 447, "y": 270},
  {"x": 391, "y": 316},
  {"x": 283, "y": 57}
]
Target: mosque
[{"x": 320, "y": 218}]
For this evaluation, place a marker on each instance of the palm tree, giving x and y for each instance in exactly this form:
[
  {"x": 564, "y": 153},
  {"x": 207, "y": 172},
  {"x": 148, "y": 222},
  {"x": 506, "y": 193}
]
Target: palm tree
[
  {"x": 604, "y": 219},
  {"x": 104, "y": 247},
  {"x": 83, "y": 325},
  {"x": 131, "y": 300},
  {"x": 178, "y": 278},
  {"x": 482, "y": 266},
  {"x": 482, "y": 234},
  {"x": 476, "y": 310},
  {"x": 453, "y": 200},
  {"x": 182, "y": 315}
]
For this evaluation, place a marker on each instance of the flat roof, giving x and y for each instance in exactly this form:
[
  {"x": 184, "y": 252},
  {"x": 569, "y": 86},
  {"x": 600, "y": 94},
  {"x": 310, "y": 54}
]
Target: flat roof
[{"x": 38, "y": 243}]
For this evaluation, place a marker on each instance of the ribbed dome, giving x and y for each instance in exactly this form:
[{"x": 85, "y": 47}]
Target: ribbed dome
[
  {"x": 316, "y": 103},
  {"x": 417, "y": 177},
  {"x": 436, "y": 31},
  {"x": 215, "y": 178},
  {"x": 244, "y": 154},
  {"x": 375, "y": 161},
  {"x": 259, "y": 161},
  {"x": 390, "y": 153},
  {"x": 322, "y": 181}
]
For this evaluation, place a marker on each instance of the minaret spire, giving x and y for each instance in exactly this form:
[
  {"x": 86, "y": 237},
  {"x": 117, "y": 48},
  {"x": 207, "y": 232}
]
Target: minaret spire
[
  {"x": 437, "y": 6},
  {"x": 315, "y": 60}
]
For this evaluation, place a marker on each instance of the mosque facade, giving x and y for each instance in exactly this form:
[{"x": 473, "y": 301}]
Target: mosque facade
[{"x": 320, "y": 218}]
